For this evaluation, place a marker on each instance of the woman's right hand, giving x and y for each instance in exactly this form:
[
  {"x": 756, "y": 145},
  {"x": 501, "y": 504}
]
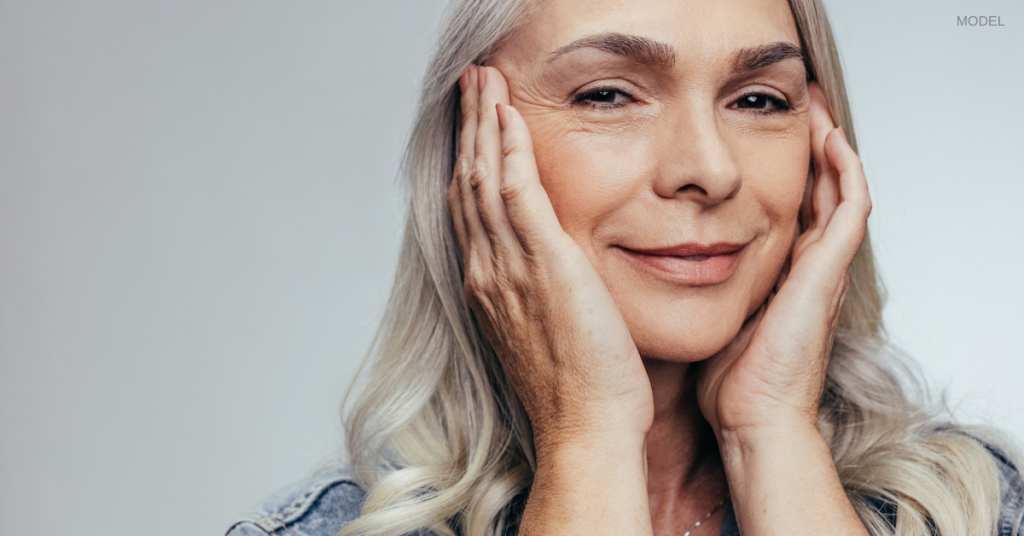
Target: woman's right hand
[{"x": 543, "y": 307}]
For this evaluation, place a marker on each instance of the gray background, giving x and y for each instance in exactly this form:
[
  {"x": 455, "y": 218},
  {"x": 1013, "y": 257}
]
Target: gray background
[{"x": 199, "y": 225}]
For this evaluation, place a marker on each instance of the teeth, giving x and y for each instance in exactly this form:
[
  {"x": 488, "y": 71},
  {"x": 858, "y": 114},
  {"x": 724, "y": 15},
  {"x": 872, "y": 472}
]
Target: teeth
[{"x": 695, "y": 257}]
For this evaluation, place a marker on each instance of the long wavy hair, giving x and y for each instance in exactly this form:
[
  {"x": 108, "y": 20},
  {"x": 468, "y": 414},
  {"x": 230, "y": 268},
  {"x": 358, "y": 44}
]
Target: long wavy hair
[{"x": 440, "y": 441}]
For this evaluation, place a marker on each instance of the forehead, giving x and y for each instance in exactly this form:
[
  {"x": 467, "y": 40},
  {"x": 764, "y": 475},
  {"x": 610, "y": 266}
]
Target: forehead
[{"x": 693, "y": 28}]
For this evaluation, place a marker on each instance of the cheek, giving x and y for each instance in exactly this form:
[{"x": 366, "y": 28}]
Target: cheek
[
  {"x": 775, "y": 175},
  {"x": 587, "y": 175}
]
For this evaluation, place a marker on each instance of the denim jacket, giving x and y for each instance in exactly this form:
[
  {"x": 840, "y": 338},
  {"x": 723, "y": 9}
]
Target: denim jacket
[{"x": 321, "y": 505}]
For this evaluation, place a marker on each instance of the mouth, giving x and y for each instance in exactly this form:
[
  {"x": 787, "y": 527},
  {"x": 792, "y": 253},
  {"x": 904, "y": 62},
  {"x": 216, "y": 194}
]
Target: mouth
[{"x": 689, "y": 264}]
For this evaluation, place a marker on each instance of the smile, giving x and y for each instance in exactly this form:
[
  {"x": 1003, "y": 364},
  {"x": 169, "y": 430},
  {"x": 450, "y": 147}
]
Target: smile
[{"x": 689, "y": 264}]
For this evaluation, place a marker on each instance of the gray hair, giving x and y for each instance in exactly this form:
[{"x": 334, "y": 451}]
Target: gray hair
[{"x": 439, "y": 439}]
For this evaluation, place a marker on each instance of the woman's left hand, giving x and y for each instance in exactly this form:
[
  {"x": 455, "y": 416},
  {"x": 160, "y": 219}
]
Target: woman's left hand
[{"x": 772, "y": 374}]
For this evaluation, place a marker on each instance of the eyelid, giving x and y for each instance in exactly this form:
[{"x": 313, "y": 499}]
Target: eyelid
[
  {"x": 625, "y": 87},
  {"x": 782, "y": 106},
  {"x": 763, "y": 87},
  {"x": 580, "y": 94}
]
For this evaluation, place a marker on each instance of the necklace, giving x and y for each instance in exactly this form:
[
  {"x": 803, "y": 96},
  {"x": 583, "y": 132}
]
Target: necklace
[{"x": 713, "y": 510}]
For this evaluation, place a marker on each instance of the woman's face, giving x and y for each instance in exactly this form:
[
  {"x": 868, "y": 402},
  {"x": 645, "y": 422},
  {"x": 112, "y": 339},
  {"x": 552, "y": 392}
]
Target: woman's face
[{"x": 664, "y": 124}]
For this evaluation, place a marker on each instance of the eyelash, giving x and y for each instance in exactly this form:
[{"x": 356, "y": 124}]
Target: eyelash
[
  {"x": 581, "y": 100},
  {"x": 780, "y": 105}
]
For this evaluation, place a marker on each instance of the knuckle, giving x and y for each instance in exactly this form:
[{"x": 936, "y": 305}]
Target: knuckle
[
  {"x": 512, "y": 293},
  {"x": 479, "y": 174},
  {"x": 471, "y": 288},
  {"x": 480, "y": 296},
  {"x": 865, "y": 206},
  {"x": 463, "y": 167},
  {"x": 508, "y": 292},
  {"x": 512, "y": 190},
  {"x": 511, "y": 147},
  {"x": 477, "y": 282}
]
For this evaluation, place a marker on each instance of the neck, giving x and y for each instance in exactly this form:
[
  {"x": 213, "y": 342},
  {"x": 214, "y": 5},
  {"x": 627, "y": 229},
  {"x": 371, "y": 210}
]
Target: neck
[{"x": 685, "y": 477}]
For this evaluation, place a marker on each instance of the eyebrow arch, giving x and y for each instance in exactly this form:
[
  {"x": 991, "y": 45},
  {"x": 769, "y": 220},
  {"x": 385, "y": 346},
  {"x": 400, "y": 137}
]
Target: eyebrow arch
[
  {"x": 638, "y": 49},
  {"x": 759, "y": 57}
]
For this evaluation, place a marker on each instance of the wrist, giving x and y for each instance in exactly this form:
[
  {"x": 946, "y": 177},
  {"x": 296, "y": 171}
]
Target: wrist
[
  {"x": 584, "y": 448},
  {"x": 783, "y": 480},
  {"x": 598, "y": 431},
  {"x": 792, "y": 440},
  {"x": 588, "y": 484},
  {"x": 771, "y": 423}
]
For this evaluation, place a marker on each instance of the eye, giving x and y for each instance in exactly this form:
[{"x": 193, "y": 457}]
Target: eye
[
  {"x": 607, "y": 97},
  {"x": 762, "y": 103}
]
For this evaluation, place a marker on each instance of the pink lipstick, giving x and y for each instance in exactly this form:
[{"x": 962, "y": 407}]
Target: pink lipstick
[{"x": 690, "y": 264}]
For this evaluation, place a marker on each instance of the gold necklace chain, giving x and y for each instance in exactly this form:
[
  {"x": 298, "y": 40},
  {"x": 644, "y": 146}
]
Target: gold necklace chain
[
  {"x": 713, "y": 510},
  {"x": 709, "y": 514}
]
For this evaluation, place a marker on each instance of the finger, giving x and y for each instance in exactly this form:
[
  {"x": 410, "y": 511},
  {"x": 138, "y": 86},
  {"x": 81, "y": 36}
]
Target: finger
[
  {"x": 852, "y": 181},
  {"x": 826, "y": 195},
  {"x": 454, "y": 194},
  {"x": 488, "y": 170},
  {"x": 849, "y": 223},
  {"x": 454, "y": 198},
  {"x": 468, "y": 107},
  {"x": 477, "y": 239},
  {"x": 529, "y": 209},
  {"x": 845, "y": 231}
]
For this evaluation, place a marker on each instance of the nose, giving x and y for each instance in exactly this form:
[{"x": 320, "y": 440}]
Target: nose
[{"x": 697, "y": 162}]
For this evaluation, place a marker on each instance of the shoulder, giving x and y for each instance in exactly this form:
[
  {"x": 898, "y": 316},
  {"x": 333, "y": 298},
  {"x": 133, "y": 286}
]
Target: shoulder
[
  {"x": 320, "y": 505},
  {"x": 1011, "y": 484},
  {"x": 1011, "y": 488}
]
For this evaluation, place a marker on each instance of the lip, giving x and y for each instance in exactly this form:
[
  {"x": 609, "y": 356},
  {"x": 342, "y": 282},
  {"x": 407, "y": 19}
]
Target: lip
[{"x": 717, "y": 262}]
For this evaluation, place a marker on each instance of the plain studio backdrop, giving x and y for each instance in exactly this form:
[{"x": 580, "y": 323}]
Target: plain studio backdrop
[{"x": 199, "y": 224}]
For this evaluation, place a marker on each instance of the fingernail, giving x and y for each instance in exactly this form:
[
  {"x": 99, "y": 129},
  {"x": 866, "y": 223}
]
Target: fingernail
[
  {"x": 481, "y": 73},
  {"x": 502, "y": 115},
  {"x": 464, "y": 80},
  {"x": 843, "y": 134}
]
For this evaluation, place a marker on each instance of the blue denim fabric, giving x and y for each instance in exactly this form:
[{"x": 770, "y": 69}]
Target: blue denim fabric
[
  {"x": 321, "y": 505},
  {"x": 317, "y": 506},
  {"x": 1012, "y": 489}
]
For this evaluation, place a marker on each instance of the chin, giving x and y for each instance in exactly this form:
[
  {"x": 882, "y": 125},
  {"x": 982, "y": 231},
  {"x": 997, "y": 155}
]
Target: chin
[{"x": 683, "y": 332}]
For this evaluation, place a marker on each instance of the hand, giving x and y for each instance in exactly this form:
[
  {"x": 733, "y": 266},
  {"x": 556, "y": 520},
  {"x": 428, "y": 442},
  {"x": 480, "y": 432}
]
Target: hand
[
  {"x": 552, "y": 322},
  {"x": 773, "y": 372}
]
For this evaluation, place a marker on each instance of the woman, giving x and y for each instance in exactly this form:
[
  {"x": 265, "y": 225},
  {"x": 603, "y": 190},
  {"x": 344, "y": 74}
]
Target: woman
[{"x": 636, "y": 295}]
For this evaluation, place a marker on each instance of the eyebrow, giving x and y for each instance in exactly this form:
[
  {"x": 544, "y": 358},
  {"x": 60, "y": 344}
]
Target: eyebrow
[
  {"x": 759, "y": 57},
  {"x": 638, "y": 49},
  {"x": 646, "y": 51}
]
